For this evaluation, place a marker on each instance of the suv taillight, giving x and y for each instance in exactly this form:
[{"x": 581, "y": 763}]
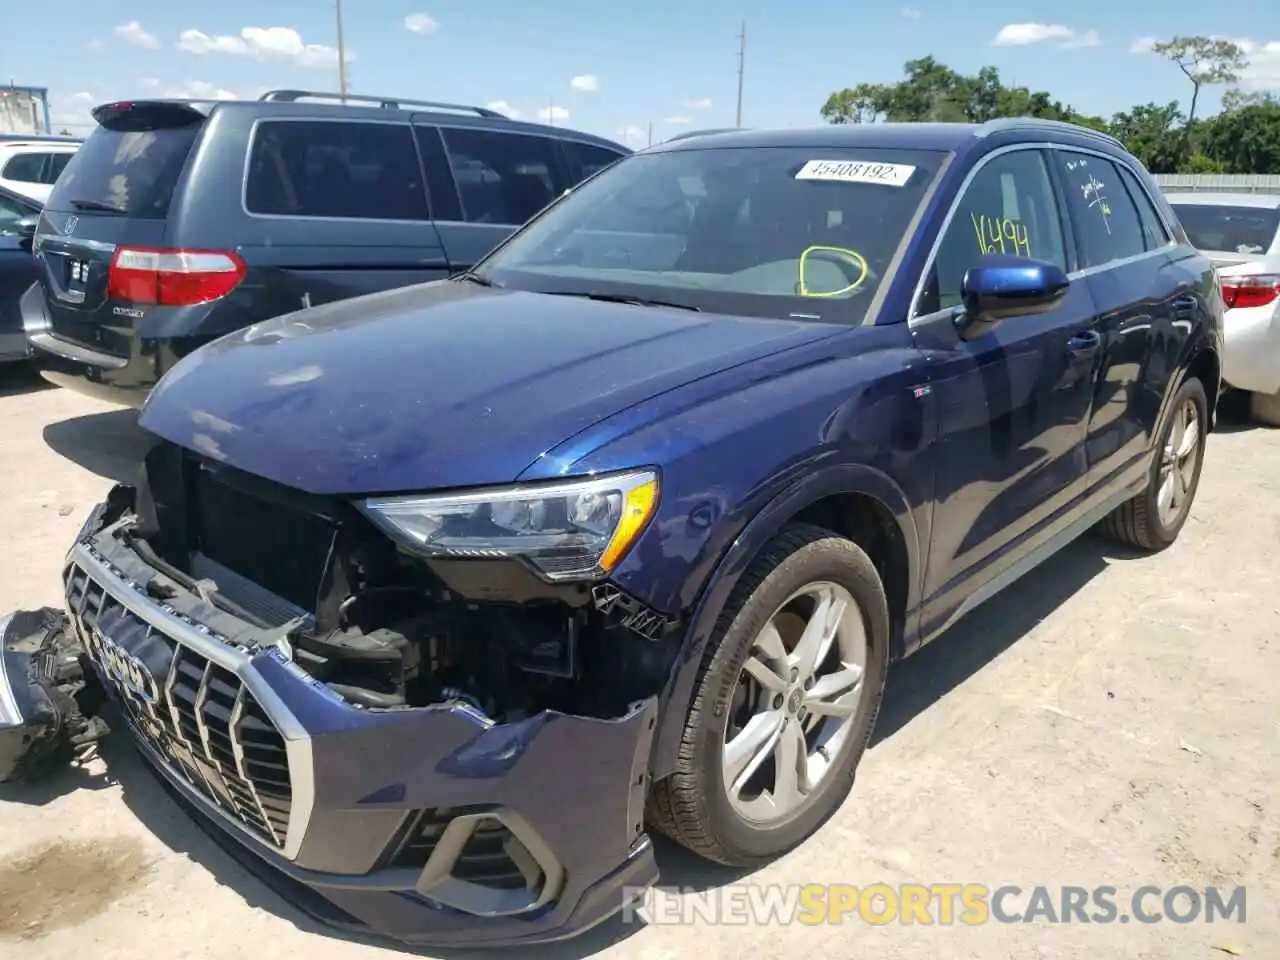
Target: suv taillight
[
  {"x": 1250, "y": 290},
  {"x": 172, "y": 277}
]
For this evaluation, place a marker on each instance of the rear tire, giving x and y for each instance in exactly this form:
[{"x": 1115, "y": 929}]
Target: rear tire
[
  {"x": 1265, "y": 408},
  {"x": 734, "y": 805},
  {"x": 1152, "y": 520}
]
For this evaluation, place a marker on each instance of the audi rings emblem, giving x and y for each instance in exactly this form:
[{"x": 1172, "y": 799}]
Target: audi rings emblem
[{"x": 127, "y": 671}]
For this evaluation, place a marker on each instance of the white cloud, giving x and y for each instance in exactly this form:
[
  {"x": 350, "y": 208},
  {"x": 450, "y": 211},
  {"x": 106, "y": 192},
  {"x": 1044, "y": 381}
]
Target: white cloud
[
  {"x": 133, "y": 34},
  {"x": 1142, "y": 45},
  {"x": 1263, "y": 70},
  {"x": 585, "y": 83},
  {"x": 421, "y": 23},
  {"x": 262, "y": 43},
  {"x": 82, "y": 97},
  {"x": 198, "y": 90},
  {"x": 911, "y": 13},
  {"x": 150, "y": 82},
  {"x": 553, "y": 114},
  {"x": 1023, "y": 34},
  {"x": 678, "y": 120},
  {"x": 505, "y": 108},
  {"x": 703, "y": 104}
]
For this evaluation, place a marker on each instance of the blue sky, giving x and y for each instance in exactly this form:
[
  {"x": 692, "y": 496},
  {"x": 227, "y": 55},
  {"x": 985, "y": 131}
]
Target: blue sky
[{"x": 672, "y": 63}]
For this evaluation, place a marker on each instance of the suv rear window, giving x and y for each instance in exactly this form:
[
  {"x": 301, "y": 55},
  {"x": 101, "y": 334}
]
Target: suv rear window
[
  {"x": 1212, "y": 226},
  {"x": 332, "y": 168},
  {"x": 133, "y": 172}
]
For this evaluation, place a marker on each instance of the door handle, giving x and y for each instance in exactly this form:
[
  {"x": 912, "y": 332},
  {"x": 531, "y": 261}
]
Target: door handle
[
  {"x": 1184, "y": 307},
  {"x": 1084, "y": 344}
]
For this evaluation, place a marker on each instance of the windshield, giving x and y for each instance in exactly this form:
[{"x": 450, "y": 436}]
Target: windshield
[
  {"x": 764, "y": 231},
  {"x": 1236, "y": 229}
]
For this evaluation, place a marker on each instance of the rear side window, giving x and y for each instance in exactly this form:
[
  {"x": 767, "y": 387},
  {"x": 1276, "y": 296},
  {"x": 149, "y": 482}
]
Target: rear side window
[
  {"x": 57, "y": 163},
  {"x": 1153, "y": 229},
  {"x": 11, "y": 211},
  {"x": 133, "y": 172},
  {"x": 587, "y": 159},
  {"x": 25, "y": 167},
  {"x": 1106, "y": 221},
  {"x": 335, "y": 169},
  {"x": 1212, "y": 226},
  {"x": 502, "y": 178}
]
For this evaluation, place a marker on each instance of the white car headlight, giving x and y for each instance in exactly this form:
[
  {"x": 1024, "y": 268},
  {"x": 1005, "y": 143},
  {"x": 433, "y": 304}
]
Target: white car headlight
[{"x": 569, "y": 530}]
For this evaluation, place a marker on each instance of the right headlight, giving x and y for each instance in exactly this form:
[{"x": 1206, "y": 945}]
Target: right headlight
[{"x": 569, "y": 530}]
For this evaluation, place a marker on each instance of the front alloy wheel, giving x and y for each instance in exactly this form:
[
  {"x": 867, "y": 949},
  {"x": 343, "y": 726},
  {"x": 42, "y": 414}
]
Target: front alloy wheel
[{"x": 784, "y": 703}]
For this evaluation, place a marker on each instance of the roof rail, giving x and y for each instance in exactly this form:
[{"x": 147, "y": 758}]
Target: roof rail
[
  {"x": 386, "y": 103},
  {"x": 1000, "y": 124}
]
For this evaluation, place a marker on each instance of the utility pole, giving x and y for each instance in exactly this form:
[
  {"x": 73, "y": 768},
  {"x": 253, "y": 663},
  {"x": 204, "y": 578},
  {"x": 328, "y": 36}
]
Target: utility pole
[
  {"x": 651, "y": 133},
  {"x": 342, "y": 53},
  {"x": 742, "y": 62},
  {"x": 551, "y": 111}
]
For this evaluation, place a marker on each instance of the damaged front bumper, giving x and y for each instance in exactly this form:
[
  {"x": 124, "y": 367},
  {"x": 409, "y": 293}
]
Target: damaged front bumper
[{"x": 428, "y": 825}]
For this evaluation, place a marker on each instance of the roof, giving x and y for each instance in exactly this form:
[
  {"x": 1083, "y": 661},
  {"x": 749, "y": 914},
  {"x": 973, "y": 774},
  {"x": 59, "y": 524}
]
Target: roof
[
  {"x": 903, "y": 136},
  {"x": 1264, "y": 200}
]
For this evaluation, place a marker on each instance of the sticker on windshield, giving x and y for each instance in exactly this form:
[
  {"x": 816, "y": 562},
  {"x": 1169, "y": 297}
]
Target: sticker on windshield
[{"x": 857, "y": 171}]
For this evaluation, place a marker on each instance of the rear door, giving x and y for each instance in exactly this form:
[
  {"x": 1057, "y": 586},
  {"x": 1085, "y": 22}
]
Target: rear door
[
  {"x": 499, "y": 179},
  {"x": 337, "y": 208},
  {"x": 115, "y": 191},
  {"x": 1147, "y": 290}
]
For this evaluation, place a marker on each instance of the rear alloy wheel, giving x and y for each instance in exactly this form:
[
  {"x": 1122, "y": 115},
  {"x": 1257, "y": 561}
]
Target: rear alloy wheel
[
  {"x": 785, "y": 703},
  {"x": 1153, "y": 519}
]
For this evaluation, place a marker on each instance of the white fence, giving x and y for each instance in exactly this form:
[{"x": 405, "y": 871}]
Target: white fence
[{"x": 1219, "y": 182}]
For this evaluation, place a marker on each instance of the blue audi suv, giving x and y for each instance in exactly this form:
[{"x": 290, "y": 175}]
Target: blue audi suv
[{"x": 433, "y": 604}]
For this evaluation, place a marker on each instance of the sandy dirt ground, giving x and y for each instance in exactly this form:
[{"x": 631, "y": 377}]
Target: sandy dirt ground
[{"x": 1106, "y": 721}]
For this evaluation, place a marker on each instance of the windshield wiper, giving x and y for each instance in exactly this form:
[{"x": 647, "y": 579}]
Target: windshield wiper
[
  {"x": 624, "y": 298},
  {"x": 97, "y": 206}
]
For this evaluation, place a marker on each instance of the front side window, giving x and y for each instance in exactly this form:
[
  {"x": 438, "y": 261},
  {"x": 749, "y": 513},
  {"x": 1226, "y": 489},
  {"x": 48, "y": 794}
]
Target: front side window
[
  {"x": 1229, "y": 228},
  {"x": 785, "y": 232},
  {"x": 332, "y": 169},
  {"x": 1009, "y": 207},
  {"x": 11, "y": 213},
  {"x": 25, "y": 167}
]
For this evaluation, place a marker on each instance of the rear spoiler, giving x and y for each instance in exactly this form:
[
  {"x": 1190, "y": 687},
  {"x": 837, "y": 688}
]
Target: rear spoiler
[{"x": 152, "y": 114}]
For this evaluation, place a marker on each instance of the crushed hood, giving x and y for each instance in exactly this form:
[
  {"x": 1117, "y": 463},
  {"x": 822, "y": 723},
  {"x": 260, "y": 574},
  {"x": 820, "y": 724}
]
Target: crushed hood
[{"x": 441, "y": 385}]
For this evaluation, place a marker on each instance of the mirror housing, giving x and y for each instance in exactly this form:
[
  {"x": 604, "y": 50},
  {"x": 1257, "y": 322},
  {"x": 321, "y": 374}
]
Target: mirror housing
[
  {"x": 26, "y": 227},
  {"x": 1001, "y": 287}
]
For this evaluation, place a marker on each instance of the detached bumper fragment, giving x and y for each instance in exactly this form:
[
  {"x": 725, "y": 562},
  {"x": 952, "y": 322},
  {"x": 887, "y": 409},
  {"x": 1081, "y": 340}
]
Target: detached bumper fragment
[
  {"x": 428, "y": 825},
  {"x": 48, "y": 698}
]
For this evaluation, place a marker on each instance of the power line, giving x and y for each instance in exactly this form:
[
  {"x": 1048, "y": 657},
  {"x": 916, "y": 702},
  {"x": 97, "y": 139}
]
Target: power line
[
  {"x": 342, "y": 52},
  {"x": 742, "y": 62}
]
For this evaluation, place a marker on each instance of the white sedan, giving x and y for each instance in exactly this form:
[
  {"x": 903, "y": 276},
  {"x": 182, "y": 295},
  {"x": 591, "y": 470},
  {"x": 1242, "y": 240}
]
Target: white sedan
[{"x": 1240, "y": 233}]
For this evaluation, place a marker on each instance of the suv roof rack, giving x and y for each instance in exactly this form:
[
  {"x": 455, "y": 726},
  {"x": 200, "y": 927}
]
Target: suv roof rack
[
  {"x": 386, "y": 103},
  {"x": 1040, "y": 123}
]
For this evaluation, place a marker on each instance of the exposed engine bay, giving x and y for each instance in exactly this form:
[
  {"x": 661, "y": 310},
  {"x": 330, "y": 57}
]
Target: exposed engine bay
[{"x": 382, "y": 628}]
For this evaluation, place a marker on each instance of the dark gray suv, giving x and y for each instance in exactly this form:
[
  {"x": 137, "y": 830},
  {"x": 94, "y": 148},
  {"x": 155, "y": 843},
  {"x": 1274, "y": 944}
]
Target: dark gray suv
[{"x": 179, "y": 221}]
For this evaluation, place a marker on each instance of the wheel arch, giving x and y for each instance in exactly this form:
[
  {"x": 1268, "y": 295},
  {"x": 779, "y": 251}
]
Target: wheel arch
[{"x": 853, "y": 500}]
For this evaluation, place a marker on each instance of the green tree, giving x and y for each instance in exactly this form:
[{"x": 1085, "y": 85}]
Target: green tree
[
  {"x": 1236, "y": 99},
  {"x": 865, "y": 103},
  {"x": 1152, "y": 134},
  {"x": 1204, "y": 60},
  {"x": 1246, "y": 139}
]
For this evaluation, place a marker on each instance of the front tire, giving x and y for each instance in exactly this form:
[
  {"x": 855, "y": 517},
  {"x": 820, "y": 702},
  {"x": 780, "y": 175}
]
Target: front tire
[
  {"x": 785, "y": 702},
  {"x": 1152, "y": 520}
]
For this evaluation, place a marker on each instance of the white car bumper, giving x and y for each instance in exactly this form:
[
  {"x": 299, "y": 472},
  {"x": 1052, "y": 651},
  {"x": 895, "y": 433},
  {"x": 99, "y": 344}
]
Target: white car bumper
[{"x": 1252, "y": 349}]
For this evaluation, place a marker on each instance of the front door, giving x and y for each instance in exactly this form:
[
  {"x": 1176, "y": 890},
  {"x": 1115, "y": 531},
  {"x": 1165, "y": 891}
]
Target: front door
[{"x": 1012, "y": 405}]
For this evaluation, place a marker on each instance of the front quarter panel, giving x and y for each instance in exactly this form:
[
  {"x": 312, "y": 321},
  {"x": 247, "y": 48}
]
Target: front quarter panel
[{"x": 741, "y": 457}]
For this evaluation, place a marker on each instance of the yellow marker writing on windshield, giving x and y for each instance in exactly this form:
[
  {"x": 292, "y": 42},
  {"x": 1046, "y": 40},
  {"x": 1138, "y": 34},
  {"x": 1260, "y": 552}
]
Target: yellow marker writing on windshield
[{"x": 839, "y": 253}]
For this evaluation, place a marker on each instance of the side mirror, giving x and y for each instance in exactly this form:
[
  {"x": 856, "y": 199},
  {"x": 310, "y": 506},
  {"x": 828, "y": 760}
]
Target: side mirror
[
  {"x": 26, "y": 228},
  {"x": 1001, "y": 287}
]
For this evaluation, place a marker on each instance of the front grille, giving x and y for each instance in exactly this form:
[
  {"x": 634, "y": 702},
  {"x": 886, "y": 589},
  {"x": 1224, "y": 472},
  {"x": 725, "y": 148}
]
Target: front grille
[{"x": 196, "y": 715}]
